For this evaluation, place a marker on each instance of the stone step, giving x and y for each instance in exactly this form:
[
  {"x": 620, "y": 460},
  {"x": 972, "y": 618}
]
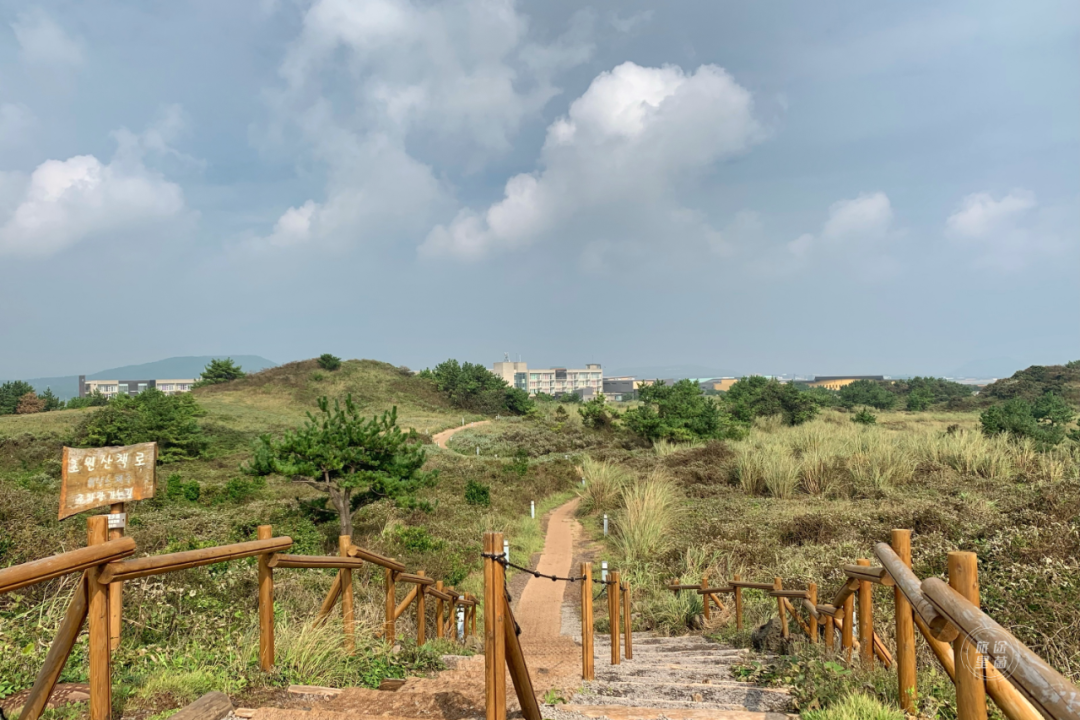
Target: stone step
[
  {"x": 617, "y": 701},
  {"x": 726, "y": 693},
  {"x": 703, "y": 674},
  {"x": 628, "y": 712}
]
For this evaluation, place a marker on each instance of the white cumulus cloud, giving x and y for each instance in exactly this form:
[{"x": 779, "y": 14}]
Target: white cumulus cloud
[
  {"x": 391, "y": 95},
  {"x": 859, "y": 224},
  {"x": 66, "y": 201},
  {"x": 1005, "y": 234},
  {"x": 43, "y": 42},
  {"x": 612, "y": 166}
]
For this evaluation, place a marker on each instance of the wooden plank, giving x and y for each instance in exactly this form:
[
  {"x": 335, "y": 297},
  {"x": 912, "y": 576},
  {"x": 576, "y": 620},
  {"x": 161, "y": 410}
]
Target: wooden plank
[
  {"x": 158, "y": 564},
  {"x": 404, "y": 604},
  {"x": 440, "y": 598},
  {"x": 848, "y": 589},
  {"x": 778, "y": 585},
  {"x": 329, "y": 601},
  {"x": 810, "y": 603},
  {"x": 97, "y": 477},
  {"x": 438, "y": 594},
  {"x": 791, "y": 611},
  {"x": 59, "y": 651},
  {"x": 715, "y": 591},
  {"x": 797, "y": 594},
  {"x": 628, "y": 630},
  {"x": 911, "y": 586},
  {"x": 315, "y": 561},
  {"x": 751, "y": 585},
  {"x": 421, "y": 614},
  {"x": 830, "y": 610},
  {"x": 376, "y": 559},
  {"x": 116, "y": 590},
  {"x": 211, "y": 706},
  {"x": 36, "y": 571},
  {"x": 266, "y": 606},
  {"x": 390, "y": 590},
  {"x": 587, "y": 623},
  {"x": 678, "y": 588},
  {"x": 613, "y": 617},
  {"x": 876, "y": 575},
  {"x": 415, "y": 579}
]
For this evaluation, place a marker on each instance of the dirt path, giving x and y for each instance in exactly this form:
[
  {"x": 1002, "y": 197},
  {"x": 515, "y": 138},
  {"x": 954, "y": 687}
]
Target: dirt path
[
  {"x": 539, "y": 612},
  {"x": 440, "y": 439}
]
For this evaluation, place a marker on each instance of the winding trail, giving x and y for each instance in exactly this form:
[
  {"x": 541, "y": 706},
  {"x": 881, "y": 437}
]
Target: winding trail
[{"x": 440, "y": 439}]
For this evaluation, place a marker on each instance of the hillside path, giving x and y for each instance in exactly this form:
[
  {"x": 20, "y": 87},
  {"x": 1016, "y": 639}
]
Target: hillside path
[{"x": 440, "y": 439}]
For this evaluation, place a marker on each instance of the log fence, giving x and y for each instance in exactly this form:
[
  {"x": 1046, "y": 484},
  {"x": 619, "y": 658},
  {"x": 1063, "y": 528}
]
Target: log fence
[
  {"x": 106, "y": 562},
  {"x": 992, "y": 662}
]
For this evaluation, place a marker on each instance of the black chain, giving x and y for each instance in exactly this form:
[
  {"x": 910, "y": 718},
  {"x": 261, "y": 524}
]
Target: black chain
[{"x": 506, "y": 563}]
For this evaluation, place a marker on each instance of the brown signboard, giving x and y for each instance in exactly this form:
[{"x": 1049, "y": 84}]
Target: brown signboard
[{"x": 95, "y": 477}]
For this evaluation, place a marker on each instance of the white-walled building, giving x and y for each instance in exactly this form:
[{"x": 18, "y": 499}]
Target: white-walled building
[{"x": 552, "y": 381}]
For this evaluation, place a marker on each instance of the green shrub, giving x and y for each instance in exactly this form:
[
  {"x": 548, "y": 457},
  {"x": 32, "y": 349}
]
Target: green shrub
[
  {"x": 329, "y": 362},
  {"x": 150, "y": 416},
  {"x": 520, "y": 463},
  {"x": 416, "y": 538},
  {"x": 864, "y": 417},
  {"x": 855, "y": 706},
  {"x": 240, "y": 489},
  {"x": 176, "y": 489},
  {"x": 477, "y": 494},
  {"x": 867, "y": 392},
  {"x": 219, "y": 371},
  {"x": 1044, "y": 421}
]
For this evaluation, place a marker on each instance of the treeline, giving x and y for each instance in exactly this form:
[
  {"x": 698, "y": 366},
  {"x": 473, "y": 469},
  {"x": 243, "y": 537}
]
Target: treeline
[
  {"x": 915, "y": 394},
  {"x": 474, "y": 388}
]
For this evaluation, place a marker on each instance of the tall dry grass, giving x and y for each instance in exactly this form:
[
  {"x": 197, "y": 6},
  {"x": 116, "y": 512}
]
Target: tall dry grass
[
  {"x": 604, "y": 483},
  {"x": 643, "y": 526},
  {"x": 833, "y": 457}
]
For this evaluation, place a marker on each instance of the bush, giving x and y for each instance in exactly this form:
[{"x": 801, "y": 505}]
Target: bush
[
  {"x": 416, "y": 539},
  {"x": 30, "y": 404},
  {"x": 10, "y": 394},
  {"x": 477, "y": 494},
  {"x": 679, "y": 412},
  {"x": 329, "y": 362},
  {"x": 241, "y": 489},
  {"x": 756, "y": 396},
  {"x": 150, "y": 416},
  {"x": 867, "y": 392},
  {"x": 519, "y": 465},
  {"x": 474, "y": 387},
  {"x": 176, "y": 489},
  {"x": 219, "y": 371},
  {"x": 595, "y": 414},
  {"x": 94, "y": 399},
  {"x": 864, "y": 417},
  {"x": 1045, "y": 421},
  {"x": 856, "y": 706}
]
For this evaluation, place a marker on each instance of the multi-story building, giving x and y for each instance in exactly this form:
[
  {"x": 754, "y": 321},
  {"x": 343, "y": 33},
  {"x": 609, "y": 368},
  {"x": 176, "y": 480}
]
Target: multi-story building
[
  {"x": 111, "y": 388},
  {"x": 585, "y": 381},
  {"x": 835, "y": 382}
]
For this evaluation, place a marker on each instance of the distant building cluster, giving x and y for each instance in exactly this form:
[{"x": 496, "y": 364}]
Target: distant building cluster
[
  {"x": 588, "y": 381},
  {"x": 112, "y": 388}
]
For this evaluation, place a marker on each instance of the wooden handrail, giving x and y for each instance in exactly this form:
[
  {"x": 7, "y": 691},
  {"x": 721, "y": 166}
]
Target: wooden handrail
[
  {"x": 844, "y": 593},
  {"x": 414, "y": 579},
  {"x": 314, "y": 561},
  {"x": 1041, "y": 684},
  {"x": 404, "y": 604},
  {"x": 801, "y": 594},
  {"x": 36, "y": 571},
  {"x": 751, "y": 585},
  {"x": 677, "y": 587},
  {"x": 911, "y": 586},
  {"x": 376, "y": 559},
  {"x": 713, "y": 591},
  {"x": 158, "y": 564},
  {"x": 878, "y": 575},
  {"x": 439, "y": 594}
]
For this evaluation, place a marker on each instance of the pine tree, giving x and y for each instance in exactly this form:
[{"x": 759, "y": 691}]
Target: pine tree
[
  {"x": 354, "y": 460},
  {"x": 219, "y": 371}
]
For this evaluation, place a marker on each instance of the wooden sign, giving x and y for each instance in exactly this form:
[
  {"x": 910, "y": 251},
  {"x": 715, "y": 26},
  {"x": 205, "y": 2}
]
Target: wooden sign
[{"x": 95, "y": 477}]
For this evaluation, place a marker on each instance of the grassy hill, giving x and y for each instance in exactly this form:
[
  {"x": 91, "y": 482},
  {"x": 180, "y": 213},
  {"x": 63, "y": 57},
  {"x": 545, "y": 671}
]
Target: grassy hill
[{"x": 196, "y": 630}]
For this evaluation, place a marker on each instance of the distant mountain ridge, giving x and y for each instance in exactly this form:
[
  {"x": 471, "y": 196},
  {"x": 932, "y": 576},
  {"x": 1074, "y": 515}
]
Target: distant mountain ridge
[{"x": 67, "y": 386}]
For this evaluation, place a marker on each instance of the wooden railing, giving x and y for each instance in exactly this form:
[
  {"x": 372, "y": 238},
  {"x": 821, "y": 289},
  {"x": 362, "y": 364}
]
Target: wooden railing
[
  {"x": 105, "y": 565},
  {"x": 992, "y": 661}
]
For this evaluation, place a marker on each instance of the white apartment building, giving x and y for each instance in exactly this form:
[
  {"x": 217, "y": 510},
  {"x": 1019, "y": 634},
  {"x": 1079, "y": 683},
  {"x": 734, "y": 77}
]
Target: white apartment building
[
  {"x": 585, "y": 381},
  {"x": 111, "y": 388}
]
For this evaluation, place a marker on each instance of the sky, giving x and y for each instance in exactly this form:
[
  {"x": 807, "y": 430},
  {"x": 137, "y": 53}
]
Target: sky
[{"x": 817, "y": 188}]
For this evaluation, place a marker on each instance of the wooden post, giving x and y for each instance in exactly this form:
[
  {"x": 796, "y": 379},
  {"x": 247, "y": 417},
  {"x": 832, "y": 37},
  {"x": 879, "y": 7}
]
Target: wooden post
[
  {"x": 116, "y": 589},
  {"x": 266, "y": 605},
  {"x": 587, "y": 652},
  {"x": 830, "y": 630},
  {"x": 778, "y": 584},
  {"x": 472, "y": 613},
  {"x": 627, "y": 624},
  {"x": 613, "y": 616},
  {"x": 707, "y": 611},
  {"x": 494, "y": 629},
  {"x": 519, "y": 671},
  {"x": 969, "y": 668},
  {"x": 866, "y": 618},
  {"x": 439, "y": 627},
  {"x": 97, "y": 530},
  {"x": 905, "y": 628},
  {"x": 66, "y": 635},
  {"x": 738, "y": 605},
  {"x": 421, "y": 613},
  {"x": 811, "y": 591},
  {"x": 347, "y": 613},
  {"x": 846, "y": 628},
  {"x": 391, "y": 606}
]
